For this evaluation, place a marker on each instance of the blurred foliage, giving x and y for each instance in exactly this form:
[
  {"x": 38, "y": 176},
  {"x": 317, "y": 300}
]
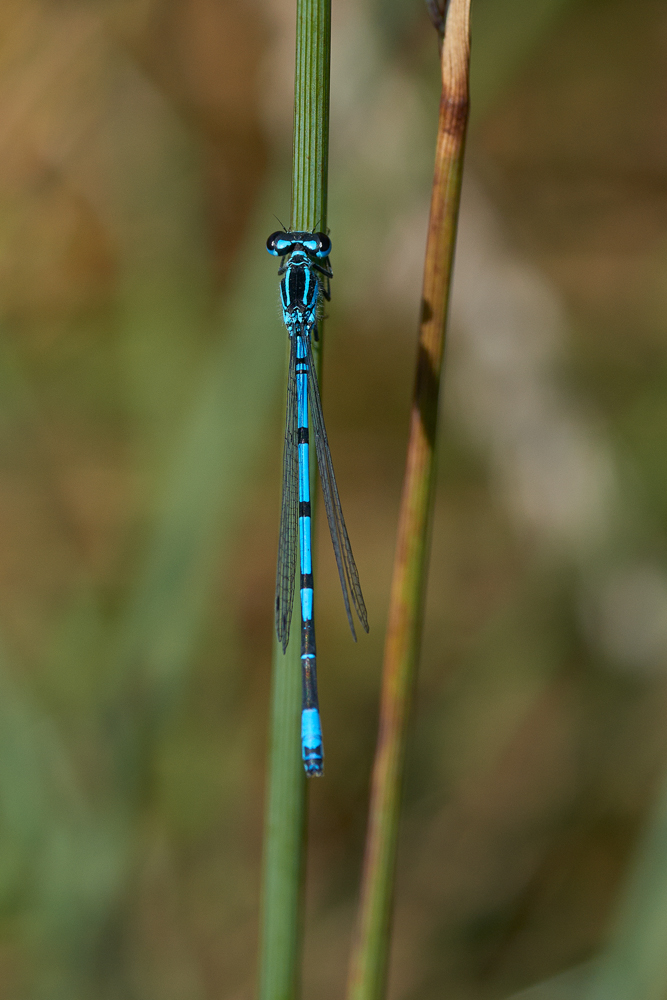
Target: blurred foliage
[{"x": 145, "y": 148}]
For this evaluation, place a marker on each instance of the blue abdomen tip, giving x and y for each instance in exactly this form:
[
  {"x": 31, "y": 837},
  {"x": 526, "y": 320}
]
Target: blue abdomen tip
[{"x": 311, "y": 742}]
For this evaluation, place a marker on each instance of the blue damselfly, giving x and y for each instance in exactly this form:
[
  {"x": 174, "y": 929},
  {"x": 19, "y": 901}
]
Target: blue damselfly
[{"x": 306, "y": 273}]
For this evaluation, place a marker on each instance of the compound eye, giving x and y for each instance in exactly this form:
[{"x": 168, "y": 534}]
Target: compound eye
[
  {"x": 324, "y": 245},
  {"x": 278, "y": 244}
]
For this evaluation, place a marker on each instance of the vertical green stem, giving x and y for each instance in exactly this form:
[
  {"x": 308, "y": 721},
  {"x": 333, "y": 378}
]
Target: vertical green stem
[
  {"x": 284, "y": 831},
  {"x": 310, "y": 158},
  {"x": 368, "y": 971},
  {"x": 284, "y": 836}
]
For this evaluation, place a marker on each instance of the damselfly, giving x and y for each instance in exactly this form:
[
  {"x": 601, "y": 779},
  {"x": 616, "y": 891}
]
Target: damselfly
[{"x": 306, "y": 272}]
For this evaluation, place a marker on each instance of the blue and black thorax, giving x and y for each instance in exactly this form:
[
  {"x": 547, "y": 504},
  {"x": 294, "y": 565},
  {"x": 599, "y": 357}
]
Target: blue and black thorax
[{"x": 305, "y": 274}]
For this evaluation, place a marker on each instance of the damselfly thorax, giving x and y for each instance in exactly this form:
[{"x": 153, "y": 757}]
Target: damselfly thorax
[{"x": 305, "y": 274}]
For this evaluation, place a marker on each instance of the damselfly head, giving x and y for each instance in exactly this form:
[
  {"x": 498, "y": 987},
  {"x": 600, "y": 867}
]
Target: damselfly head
[{"x": 315, "y": 244}]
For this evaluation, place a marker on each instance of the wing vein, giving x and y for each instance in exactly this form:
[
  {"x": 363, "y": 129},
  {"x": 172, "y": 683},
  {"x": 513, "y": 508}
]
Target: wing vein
[
  {"x": 289, "y": 511},
  {"x": 347, "y": 570}
]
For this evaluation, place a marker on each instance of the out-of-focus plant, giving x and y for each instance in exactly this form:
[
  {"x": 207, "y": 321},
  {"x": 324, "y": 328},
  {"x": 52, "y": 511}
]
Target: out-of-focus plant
[{"x": 371, "y": 948}]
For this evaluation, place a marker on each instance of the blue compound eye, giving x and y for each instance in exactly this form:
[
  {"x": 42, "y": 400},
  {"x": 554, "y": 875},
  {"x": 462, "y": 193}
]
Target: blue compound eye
[
  {"x": 323, "y": 245},
  {"x": 278, "y": 244}
]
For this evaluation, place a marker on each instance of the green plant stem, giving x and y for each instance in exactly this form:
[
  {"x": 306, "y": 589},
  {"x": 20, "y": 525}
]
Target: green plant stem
[
  {"x": 310, "y": 157},
  {"x": 368, "y": 971},
  {"x": 284, "y": 838}
]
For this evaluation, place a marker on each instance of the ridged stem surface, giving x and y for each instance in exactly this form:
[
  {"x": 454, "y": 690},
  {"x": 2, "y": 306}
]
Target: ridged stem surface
[{"x": 310, "y": 162}]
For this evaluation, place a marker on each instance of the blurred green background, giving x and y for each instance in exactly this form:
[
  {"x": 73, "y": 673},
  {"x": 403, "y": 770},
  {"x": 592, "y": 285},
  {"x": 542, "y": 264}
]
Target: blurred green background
[{"x": 145, "y": 148}]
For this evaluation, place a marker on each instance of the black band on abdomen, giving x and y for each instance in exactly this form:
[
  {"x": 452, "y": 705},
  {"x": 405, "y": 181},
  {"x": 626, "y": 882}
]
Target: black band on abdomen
[{"x": 308, "y": 666}]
